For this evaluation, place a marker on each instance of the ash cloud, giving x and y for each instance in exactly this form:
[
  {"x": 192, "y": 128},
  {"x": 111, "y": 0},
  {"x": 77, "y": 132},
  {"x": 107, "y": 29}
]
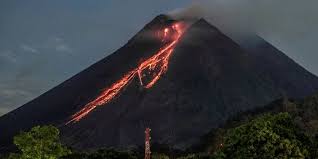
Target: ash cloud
[{"x": 290, "y": 25}]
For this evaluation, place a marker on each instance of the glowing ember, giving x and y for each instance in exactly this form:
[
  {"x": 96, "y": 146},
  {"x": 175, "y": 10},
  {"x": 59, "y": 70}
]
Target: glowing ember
[
  {"x": 165, "y": 34},
  {"x": 155, "y": 66}
]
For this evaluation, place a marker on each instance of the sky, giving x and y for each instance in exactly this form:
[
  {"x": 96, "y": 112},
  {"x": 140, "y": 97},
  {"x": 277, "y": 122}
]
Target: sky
[{"x": 44, "y": 42}]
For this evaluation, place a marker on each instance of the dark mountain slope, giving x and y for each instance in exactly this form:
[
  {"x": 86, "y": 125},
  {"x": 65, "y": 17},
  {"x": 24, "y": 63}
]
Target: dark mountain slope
[
  {"x": 209, "y": 79},
  {"x": 59, "y": 103},
  {"x": 270, "y": 58}
]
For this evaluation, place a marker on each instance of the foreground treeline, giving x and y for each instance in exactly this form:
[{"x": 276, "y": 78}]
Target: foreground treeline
[{"x": 283, "y": 129}]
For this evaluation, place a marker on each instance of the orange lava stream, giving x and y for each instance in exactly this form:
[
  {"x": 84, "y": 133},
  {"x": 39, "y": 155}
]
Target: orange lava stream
[{"x": 158, "y": 61}]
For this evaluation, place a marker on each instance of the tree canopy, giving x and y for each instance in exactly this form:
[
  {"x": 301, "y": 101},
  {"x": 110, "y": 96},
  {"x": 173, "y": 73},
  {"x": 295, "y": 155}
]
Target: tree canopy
[
  {"x": 268, "y": 136},
  {"x": 41, "y": 142}
]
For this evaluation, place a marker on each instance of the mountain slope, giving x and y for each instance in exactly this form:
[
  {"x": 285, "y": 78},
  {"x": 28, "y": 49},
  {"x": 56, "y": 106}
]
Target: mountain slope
[
  {"x": 209, "y": 79},
  {"x": 270, "y": 58}
]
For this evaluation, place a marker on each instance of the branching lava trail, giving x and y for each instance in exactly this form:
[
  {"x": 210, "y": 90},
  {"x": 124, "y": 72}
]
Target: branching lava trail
[{"x": 155, "y": 66}]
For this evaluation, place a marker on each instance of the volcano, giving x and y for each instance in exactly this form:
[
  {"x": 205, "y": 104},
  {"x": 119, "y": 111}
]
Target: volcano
[{"x": 181, "y": 79}]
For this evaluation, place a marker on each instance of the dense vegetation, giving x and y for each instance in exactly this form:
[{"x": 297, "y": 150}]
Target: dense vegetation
[
  {"x": 105, "y": 154},
  {"x": 268, "y": 136},
  {"x": 39, "y": 143},
  {"x": 283, "y": 129}
]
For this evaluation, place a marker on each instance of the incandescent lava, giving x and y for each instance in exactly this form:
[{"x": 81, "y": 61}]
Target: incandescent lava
[{"x": 148, "y": 72}]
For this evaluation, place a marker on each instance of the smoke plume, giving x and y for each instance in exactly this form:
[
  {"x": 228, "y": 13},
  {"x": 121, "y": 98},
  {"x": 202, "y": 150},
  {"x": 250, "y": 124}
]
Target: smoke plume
[{"x": 290, "y": 25}]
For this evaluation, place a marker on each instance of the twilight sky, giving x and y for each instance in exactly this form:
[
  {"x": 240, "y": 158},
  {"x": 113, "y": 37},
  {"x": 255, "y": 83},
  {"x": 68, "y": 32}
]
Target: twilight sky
[{"x": 42, "y": 42}]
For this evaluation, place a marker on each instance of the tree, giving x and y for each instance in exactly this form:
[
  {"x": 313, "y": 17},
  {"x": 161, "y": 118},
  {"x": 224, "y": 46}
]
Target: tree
[
  {"x": 112, "y": 154},
  {"x": 41, "y": 142},
  {"x": 109, "y": 153},
  {"x": 269, "y": 136},
  {"x": 196, "y": 156},
  {"x": 159, "y": 156}
]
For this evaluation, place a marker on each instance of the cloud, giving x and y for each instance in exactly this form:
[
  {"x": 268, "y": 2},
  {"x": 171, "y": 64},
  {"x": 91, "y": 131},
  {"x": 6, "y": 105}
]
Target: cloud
[
  {"x": 8, "y": 56},
  {"x": 26, "y": 73},
  {"x": 58, "y": 39},
  {"x": 13, "y": 97},
  {"x": 28, "y": 48},
  {"x": 4, "y": 110},
  {"x": 290, "y": 25},
  {"x": 14, "y": 93},
  {"x": 285, "y": 18},
  {"x": 57, "y": 45},
  {"x": 63, "y": 48}
]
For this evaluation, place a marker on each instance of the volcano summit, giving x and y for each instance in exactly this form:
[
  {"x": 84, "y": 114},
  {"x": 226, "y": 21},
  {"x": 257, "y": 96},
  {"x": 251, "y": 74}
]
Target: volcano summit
[{"x": 179, "y": 79}]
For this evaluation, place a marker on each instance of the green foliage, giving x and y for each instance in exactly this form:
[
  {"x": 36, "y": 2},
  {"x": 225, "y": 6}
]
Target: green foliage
[
  {"x": 41, "y": 142},
  {"x": 209, "y": 142},
  {"x": 14, "y": 156},
  {"x": 269, "y": 136},
  {"x": 196, "y": 156},
  {"x": 112, "y": 154},
  {"x": 159, "y": 156},
  {"x": 104, "y": 154},
  {"x": 187, "y": 156},
  {"x": 249, "y": 135},
  {"x": 76, "y": 155}
]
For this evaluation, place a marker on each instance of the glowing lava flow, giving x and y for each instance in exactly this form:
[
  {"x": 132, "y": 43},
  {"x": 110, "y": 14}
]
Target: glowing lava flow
[{"x": 158, "y": 63}]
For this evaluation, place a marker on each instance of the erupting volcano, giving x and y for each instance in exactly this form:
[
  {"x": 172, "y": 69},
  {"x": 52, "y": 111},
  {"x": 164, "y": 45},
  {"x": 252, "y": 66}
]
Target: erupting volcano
[
  {"x": 210, "y": 78},
  {"x": 157, "y": 65}
]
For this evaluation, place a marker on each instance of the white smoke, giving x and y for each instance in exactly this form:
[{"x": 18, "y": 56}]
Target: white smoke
[{"x": 290, "y": 25}]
